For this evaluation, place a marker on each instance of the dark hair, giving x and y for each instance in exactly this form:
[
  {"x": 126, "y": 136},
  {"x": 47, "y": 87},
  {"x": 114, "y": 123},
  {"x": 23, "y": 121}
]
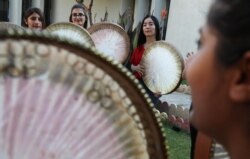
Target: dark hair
[
  {"x": 30, "y": 11},
  {"x": 142, "y": 37},
  {"x": 231, "y": 21},
  {"x": 85, "y": 25}
]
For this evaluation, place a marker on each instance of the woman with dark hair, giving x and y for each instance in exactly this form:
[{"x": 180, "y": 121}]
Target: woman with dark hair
[
  {"x": 219, "y": 76},
  {"x": 33, "y": 18},
  {"x": 78, "y": 16},
  {"x": 143, "y": 36},
  {"x": 149, "y": 32}
]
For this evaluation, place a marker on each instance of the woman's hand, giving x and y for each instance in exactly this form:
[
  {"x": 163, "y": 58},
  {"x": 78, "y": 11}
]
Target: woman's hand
[
  {"x": 157, "y": 94},
  {"x": 137, "y": 68}
]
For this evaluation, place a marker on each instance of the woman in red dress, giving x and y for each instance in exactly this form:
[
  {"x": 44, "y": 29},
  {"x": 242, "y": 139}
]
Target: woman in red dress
[{"x": 149, "y": 32}]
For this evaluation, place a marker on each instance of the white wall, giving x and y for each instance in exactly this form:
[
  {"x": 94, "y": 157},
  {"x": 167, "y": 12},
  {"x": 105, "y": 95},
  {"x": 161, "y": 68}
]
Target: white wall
[
  {"x": 185, "y": 19},
  {"x": 38, "y": 4},
  {"x": 101, "y": 6},
  {"x": 15, "y": 11},
  {"x": 156, "y": 8},
  {"x": 140, "y": 10},
  {"x": 61, "y": 10},
  {"x": 125, "y": 4}
]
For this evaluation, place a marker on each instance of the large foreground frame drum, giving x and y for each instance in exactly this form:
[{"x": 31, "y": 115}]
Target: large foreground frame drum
[{"x": 61, "y": 99}]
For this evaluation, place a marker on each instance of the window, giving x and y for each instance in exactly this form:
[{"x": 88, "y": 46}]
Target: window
[
  {"x": 4, "y": 9},
  {"x": 47, "y": 10},
  {"x": 26, "y": 4}
]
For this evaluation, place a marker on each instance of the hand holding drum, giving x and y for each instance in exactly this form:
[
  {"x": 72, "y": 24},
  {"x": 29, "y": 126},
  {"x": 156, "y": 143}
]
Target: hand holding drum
[{"x": 163, "y": 67}]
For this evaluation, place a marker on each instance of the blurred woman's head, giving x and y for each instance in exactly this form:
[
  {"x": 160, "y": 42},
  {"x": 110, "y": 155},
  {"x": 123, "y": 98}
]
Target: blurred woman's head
[
  {"x": 149, "y": 27},
  {"x": 219, "y": 75},
  {"x": 78, "y": 16},
  {"x": 33, "y": 18}
]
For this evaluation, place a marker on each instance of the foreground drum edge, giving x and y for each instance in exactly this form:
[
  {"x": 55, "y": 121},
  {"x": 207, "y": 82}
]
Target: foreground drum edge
[{"x": 62, "y": 98}]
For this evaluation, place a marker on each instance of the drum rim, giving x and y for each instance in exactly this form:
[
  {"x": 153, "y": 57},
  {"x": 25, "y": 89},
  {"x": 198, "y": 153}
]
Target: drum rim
[
  {"x": 70, "y": 26},
  {"x": 157, "y": 145},
  {"x": 117, "y": 28},
  {"x": 172, "y": 50}
]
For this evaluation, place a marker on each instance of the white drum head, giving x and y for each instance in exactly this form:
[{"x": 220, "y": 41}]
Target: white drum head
[
  {"x": 9, "y": 25},
  {"x": 163, "y": 67},
  {"x": 72, "y": 32}
]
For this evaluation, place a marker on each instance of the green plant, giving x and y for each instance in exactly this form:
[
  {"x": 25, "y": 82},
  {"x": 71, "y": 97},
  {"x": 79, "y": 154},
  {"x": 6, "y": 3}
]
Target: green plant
[
  {"x": 179, "y": 143},
  {"x": 126, "y": 21}
]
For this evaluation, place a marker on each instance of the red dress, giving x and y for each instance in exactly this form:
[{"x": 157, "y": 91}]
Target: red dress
[{"x": 136, "y": 59}]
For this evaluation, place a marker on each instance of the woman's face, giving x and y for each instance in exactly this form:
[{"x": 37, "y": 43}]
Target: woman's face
[
  {"x": 78, "y": 16},
  {"x": 34, "y": 21},
  {"x": 149, "y": 27},
  {"x": 210, "y": 86}
]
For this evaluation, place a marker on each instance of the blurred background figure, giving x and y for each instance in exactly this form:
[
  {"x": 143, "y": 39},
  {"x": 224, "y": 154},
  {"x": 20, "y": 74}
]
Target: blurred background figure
[
  {"x": 149, "y": 33},
  {"x": 219, "y": 76},
  {"x": 78, "y": 16},
  {"x": 34, "y": 19}
]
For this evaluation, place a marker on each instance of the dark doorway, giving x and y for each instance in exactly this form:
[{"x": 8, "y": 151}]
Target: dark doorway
[
  {"x": 4, "y": 10},
  {"x": 47, "y": 11}
]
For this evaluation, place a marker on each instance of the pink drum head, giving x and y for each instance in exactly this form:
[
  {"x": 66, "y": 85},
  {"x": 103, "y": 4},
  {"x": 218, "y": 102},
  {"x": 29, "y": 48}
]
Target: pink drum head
[
  {"x": 111, "y": 39},
  {"x": 64, "y": 100}
]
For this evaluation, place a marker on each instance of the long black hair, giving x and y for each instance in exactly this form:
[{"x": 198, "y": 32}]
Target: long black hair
[
  {"x": 142, "y": 37},
  {"x": 231, "y": 21},
  {"x": 78, "y": 5}
]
